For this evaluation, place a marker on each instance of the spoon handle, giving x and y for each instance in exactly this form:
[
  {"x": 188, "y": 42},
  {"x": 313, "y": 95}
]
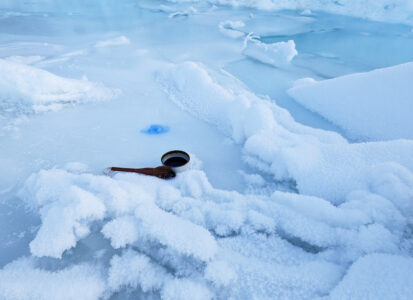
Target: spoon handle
[{"x": 146, "y": 171}]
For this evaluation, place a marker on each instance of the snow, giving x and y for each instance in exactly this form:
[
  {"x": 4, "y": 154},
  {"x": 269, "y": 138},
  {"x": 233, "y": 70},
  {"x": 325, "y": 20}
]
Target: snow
[
  {"x": 22, "y": 280},
  {"x": 279, "y": 201},
  {"x": 26, "y": 89},
  {"x": 376, "y": 105},
  {"x": 273, "y": 141},
  {"x": 377, "y": 276}
]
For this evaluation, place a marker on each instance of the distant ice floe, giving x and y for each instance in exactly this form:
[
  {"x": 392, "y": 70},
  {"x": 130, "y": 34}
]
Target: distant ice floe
[
  {"x": 397, "y": 11},
  {"x": 276, "y": 54},
  {"x": 26, "y": 89},
  {"x": 375, "y": 105},
  {"x": 118, "y": 41}
]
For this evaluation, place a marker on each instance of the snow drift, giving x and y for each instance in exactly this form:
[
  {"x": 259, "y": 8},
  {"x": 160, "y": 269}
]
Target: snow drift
[
  {"x": 375, "y": 105},
  {"x": 322, "y": 163},
  {"x": 26, "y": 89}
]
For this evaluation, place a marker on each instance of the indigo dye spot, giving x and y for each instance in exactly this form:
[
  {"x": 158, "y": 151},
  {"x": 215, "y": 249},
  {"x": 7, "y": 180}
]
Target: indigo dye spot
[{"x": 155, "y": 129}]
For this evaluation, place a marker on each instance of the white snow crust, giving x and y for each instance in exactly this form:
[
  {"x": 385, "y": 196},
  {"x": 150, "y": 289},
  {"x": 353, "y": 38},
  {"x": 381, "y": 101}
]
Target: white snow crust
[
  {"x": 377, "y": 276},
  {"x": 26, "y": 89},
  {"x": 377, "y": 105},
  {"x": 22, "y": 280}
]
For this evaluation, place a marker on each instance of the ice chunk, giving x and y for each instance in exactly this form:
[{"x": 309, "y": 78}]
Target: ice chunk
[
  {"x": 118, "y": 41},
  {"x": 230, "y": 28},
  {"x": 65, "y": 221},
  {"x": 275, "y": 54},
  {"x": 377, "y": 276},
  {"x": 374, "y": 105}
]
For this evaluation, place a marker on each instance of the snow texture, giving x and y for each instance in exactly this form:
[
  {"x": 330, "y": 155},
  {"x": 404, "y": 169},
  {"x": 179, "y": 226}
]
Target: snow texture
[
  {"x": 21, "y": 279},
  {"x": 376, "y": 105},
  {"x": 377, "y": 276}
]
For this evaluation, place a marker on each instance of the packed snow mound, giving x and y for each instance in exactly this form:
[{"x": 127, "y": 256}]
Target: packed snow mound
[
  {"x": 177, "y": 235},
  {"x": 375, "y": 105},
  {"x": 22, "y": 279},
  {"x": 398, "y": 11},
  {"x": 322, "y": 163},
  {"x": 377, "y": 276},
  {"x": 276, "y": 54},
  {"x": 27, "y": 89},
  {"x": 183, "y": 234}
]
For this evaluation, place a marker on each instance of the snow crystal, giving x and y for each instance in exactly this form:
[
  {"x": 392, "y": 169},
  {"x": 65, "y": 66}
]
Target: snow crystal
[
  {"x": 22, "y": 280},
  {"x": 185, "y": 289},
  {"x": 134, "y": 269},
  {"x": 377, "y": 276},
  {"x": 220, "y": 273}
]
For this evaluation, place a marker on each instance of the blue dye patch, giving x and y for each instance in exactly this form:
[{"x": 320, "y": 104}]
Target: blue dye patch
[{"x": 155, "y": 129}]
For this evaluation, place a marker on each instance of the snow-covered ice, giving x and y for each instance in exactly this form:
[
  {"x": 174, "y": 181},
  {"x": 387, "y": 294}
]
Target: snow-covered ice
[
  {"x": 375, "y": 105},
  {"x": 301, "y": 177}
]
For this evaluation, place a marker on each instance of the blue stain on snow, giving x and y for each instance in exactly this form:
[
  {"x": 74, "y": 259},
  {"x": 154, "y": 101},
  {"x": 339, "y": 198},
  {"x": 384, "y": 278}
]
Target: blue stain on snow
[{"x": 155, "y": 129}]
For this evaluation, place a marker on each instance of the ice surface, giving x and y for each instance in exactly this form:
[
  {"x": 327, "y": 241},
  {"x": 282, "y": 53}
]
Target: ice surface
[
  {"x": 277, "y": 203},
  {"x": 376, "y": 105}
]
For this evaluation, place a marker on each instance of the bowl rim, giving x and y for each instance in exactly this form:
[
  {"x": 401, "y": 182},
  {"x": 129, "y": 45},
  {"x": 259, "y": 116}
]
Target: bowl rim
[{"x": 173, "y": 152}]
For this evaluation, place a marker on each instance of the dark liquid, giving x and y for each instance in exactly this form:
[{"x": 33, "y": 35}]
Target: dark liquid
[{"x": 175, "y": 162}]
